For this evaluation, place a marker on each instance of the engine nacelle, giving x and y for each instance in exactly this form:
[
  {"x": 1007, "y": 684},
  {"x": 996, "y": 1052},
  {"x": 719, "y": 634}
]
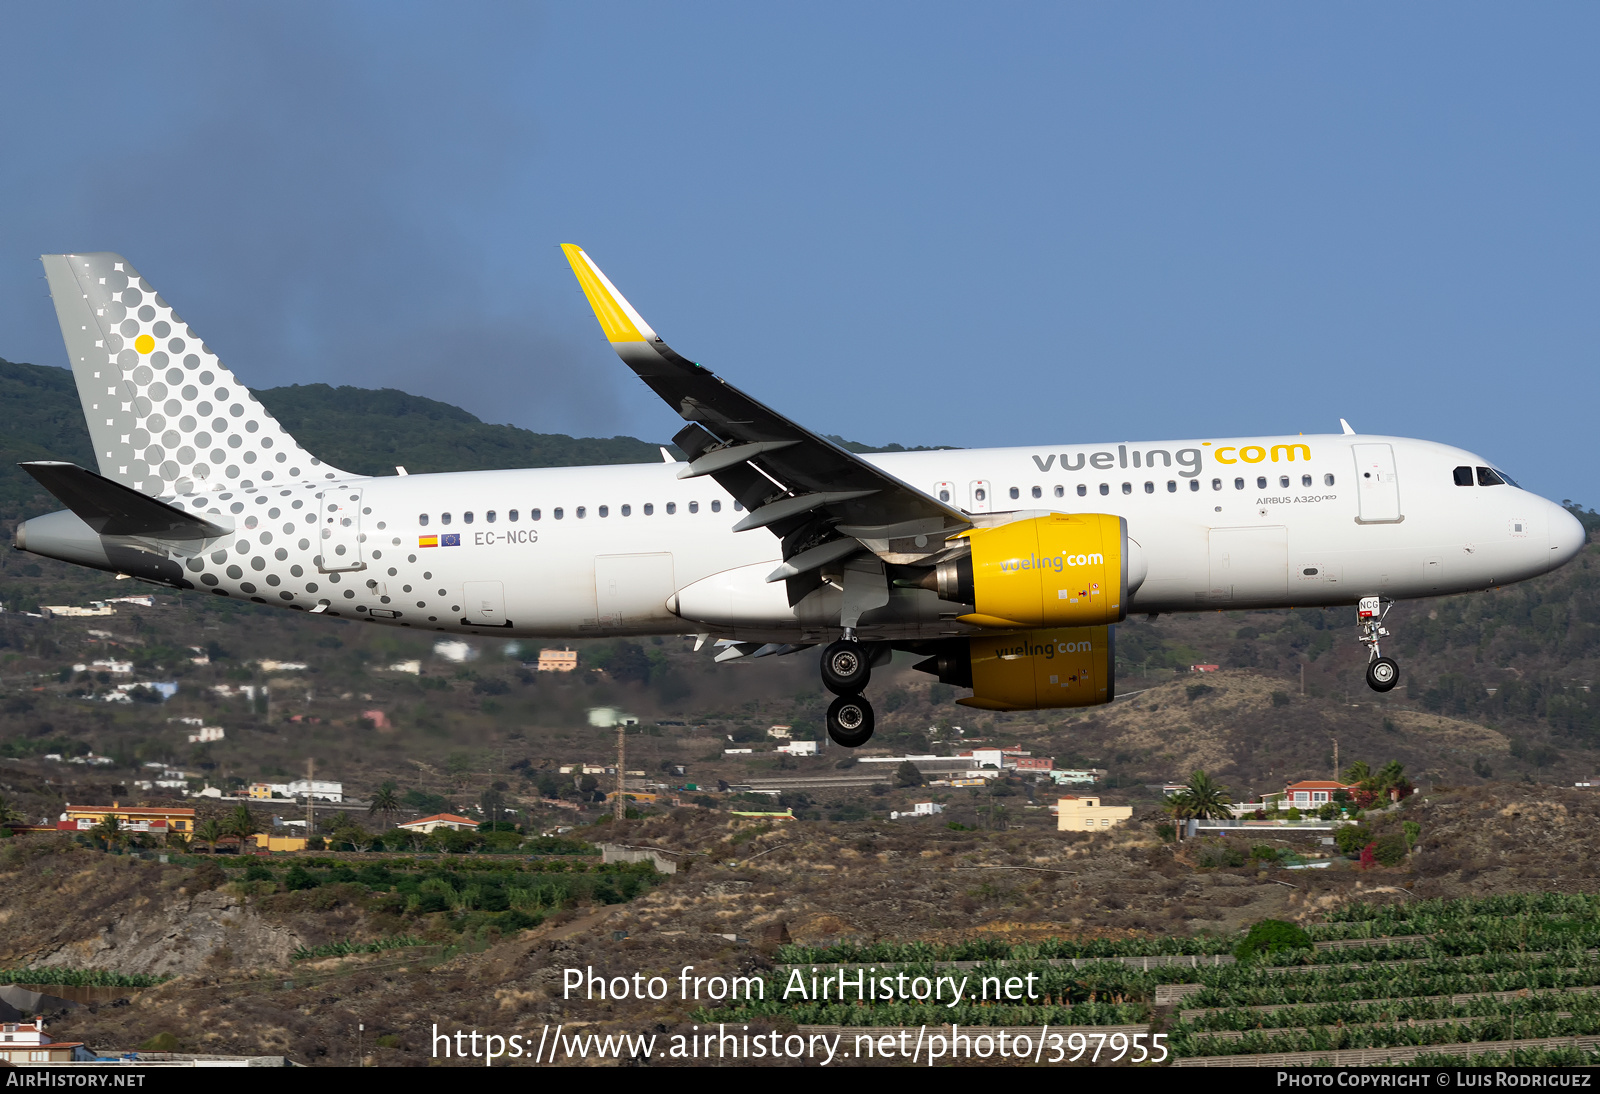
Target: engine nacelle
[
  {"x": 1061, "y": 570},
  {"x": 1034, "y": 670}
]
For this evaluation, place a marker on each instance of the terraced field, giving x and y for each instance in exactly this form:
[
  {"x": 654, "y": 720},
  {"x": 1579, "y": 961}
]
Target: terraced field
[{"x": 1503, "y": 978}]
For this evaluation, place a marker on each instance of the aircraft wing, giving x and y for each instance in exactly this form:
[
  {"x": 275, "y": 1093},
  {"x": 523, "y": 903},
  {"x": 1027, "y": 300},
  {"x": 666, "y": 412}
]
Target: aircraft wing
[{"x": 818, "y": 498}]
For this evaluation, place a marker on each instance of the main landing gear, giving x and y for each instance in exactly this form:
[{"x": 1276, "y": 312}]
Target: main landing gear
[
  {"x": 846, "y": 671},
  {"x": 1382, "y": 672}
]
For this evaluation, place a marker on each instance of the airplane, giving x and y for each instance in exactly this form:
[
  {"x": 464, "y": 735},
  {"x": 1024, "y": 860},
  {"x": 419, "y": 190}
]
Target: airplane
[{"x": 1005, "y": 569}]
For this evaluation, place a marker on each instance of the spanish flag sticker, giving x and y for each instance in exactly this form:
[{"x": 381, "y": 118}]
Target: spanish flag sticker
[{"x": 427, "y": 541}]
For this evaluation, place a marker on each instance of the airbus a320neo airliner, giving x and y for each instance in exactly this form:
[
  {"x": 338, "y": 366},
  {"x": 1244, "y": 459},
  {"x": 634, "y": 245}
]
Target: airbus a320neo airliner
[{"x": 1006, "y": 568}]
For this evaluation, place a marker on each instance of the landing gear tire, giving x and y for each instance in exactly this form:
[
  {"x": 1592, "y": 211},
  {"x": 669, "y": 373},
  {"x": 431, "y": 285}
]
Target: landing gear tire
[
  {"x": 850, "y": 721},
  {"x": 847, "y": 669},
  {"x": 1383, "y": 674}
]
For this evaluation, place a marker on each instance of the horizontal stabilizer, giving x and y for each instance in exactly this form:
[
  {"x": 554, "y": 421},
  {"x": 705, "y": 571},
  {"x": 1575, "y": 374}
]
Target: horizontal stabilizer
[{"x": 112, "y": 509}]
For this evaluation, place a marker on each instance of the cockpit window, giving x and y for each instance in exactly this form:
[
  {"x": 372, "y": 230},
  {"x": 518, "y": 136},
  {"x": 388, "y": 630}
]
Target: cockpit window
[
  {"x": 1463, "y": 476},
  {"x": 1507, "y": 479},
  {"x": 1488, "y": 477}
]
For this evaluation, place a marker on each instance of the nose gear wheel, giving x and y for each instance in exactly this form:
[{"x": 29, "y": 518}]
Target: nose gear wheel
[{"x": 1383, "y": 673}]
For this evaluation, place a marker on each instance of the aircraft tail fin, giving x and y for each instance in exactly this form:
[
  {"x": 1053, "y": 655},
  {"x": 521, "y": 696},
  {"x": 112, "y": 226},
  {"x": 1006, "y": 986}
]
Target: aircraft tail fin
[{"x": 165, "y": 415}]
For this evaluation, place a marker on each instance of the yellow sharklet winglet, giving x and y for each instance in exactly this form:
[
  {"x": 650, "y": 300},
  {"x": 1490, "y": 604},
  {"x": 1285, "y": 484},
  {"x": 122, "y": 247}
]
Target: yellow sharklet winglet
[{"x": 617, "y": 317}]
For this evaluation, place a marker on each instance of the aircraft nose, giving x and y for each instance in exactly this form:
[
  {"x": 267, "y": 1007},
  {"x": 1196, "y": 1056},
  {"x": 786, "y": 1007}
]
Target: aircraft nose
[{"x": 1567, "y": 536}]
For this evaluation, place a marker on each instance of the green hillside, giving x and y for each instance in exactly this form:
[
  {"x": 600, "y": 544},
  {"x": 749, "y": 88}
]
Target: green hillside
[{"x": 357, "y": 429}]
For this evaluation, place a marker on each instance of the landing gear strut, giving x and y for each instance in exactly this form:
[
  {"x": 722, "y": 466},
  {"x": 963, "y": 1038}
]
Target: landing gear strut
[
  {"x": 846, "y": 671},
  {"x": 1382, "y": 672}
]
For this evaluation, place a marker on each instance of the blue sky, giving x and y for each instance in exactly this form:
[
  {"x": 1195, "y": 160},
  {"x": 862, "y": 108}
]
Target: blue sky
[{"x": 933, "y": 224}]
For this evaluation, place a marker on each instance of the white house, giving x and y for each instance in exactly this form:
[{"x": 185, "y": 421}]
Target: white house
[
  {"x": 440, "y": 820},
  {"x": 27, "y": 1043},
  {"x": 453, "y": 650},
  {"x": 798, "y": 748}
]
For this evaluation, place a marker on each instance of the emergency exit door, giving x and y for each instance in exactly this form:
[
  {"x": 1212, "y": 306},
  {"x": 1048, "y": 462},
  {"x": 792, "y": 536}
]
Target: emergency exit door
[{"x": 1377, "y": 485}]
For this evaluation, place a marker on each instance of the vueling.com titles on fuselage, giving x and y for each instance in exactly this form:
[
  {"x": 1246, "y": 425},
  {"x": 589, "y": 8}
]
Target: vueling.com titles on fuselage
[{"x": 1187, "y": 458}]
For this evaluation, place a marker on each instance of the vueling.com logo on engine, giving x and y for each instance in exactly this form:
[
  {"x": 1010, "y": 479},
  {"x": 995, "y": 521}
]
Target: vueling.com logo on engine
[{"x": 1053, "y": 563}]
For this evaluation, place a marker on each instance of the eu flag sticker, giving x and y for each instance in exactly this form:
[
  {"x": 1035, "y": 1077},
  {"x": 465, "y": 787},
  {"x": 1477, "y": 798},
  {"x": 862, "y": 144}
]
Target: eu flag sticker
[{"x": 451, "y": 539}]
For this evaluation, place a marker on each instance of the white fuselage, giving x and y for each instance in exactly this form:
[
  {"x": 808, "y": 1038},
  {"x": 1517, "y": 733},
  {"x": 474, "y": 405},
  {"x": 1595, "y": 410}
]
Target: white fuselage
[{"x": 632, "y": 549}]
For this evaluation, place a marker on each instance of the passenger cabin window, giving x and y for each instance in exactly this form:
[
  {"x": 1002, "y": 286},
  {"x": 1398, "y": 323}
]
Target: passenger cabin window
[
  {"x": 672, "y": 507},
  {"x": 422, "y": 519},
  {"x": 716, "y": 506},
  {"x": 1238, "y": 484},
  {"x": 1149, "y": 488},
  {"x": 604, "y": 510},
  {"x": 1038, "y": 493},
  {"x": 627, "y": 510},
  {"x": 1061, "y": 491},
  {"x": 511, "y": 516},
  {"x": 1082, "y": 490},
  {"x": 1015, "y": 493},
  {"x": 582, "y": 511},
  {"x": 944, "y": 495},
  {"x": 1305, "y": 480},
  {"x": 1463, "y": 476},
  {"x": 559, "y": 512},
  {"x": 1172, "y": 486},
  {"x": 1105, "y": 488},
  {"x": 1127, "y": 488},
  {"x": 489, "y": 517},
  {"x": 1283, "y": 481},
  {"x": 466, "y": 518},
  {"x": 649, "y": 509},
  {"x": 1194, "y": 486},
  {"x": 694, "y": 507},
  {"x": 1327, "y": 480},
  {"x": 1488, "y": 477},
  {"x": 1261, "y": 482},
  {"x": 533, "y": 514},
  {"x": 1216, "y": 484},
  {"x": 444, "y": 518}
]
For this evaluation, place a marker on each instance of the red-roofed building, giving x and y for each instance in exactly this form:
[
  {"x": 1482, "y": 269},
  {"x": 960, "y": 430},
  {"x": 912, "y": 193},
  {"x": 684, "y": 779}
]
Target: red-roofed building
[
  {"x": 1315, "y": 792},
  {"x": 27, "y": 1043},
  {"x": 158, "y": 820},
  {"x": 441, "y": 820}
]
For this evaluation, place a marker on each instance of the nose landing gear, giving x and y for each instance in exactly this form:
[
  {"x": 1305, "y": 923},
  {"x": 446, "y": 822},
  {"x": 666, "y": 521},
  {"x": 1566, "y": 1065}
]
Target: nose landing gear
[
  {"x": 846, "y": 671},
  {"x": 1382, "y": 672}
]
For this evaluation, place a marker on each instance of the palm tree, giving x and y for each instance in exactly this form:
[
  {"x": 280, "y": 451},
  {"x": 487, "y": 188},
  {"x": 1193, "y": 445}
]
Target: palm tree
[
  {"x": 9, "y": 815},
  {"x": 110, "y": 830},
  {"x": 1200, "y": 798},
  {"x": 209, "y": 832},
  {"x": 242, "y": 824},
  {"x": 1358, "y": 772},
  {"x": 386, "y": 802}
]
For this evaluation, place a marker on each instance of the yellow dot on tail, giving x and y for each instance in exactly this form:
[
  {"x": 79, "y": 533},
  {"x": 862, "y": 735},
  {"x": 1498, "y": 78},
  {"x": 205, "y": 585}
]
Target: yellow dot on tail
[{"x": 144, "y": 343}]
